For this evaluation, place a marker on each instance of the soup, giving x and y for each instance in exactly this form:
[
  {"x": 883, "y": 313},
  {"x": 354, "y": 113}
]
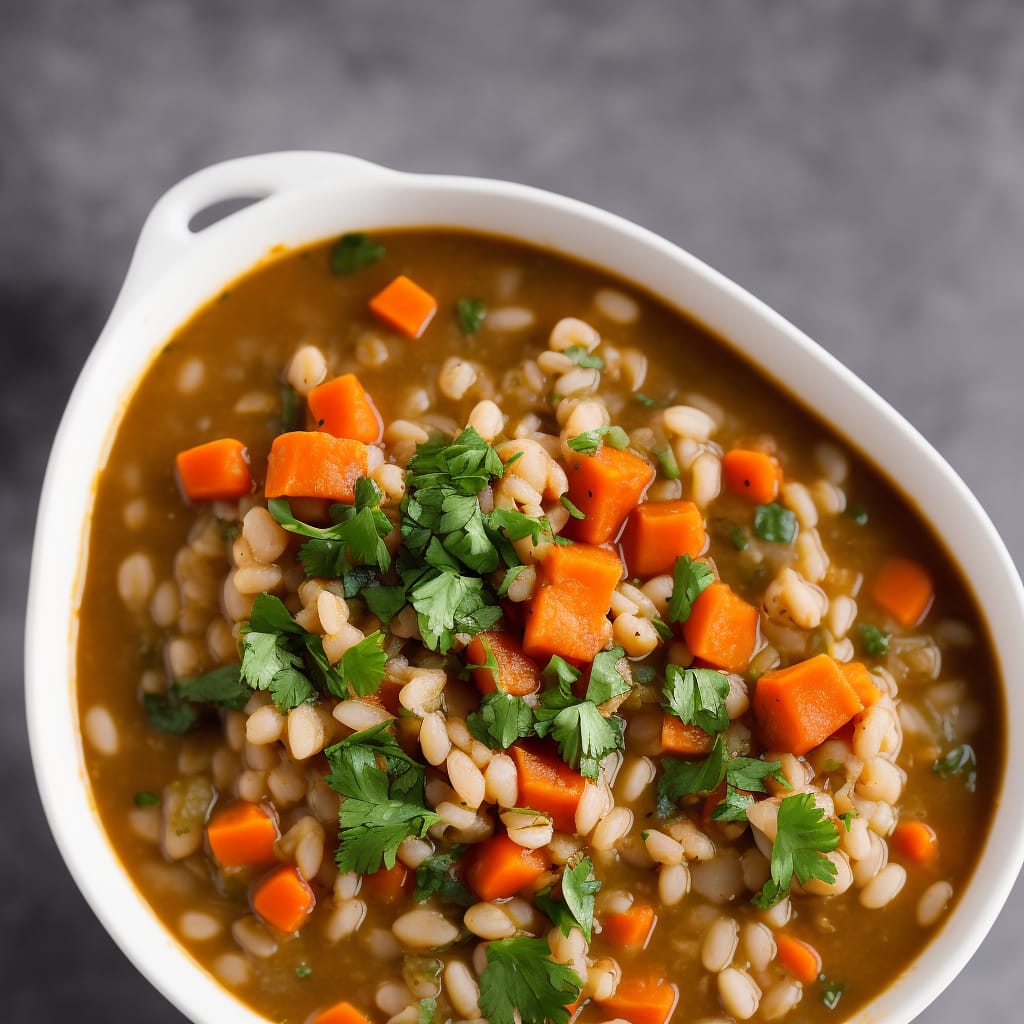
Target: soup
[{"x": 465, "y": 635}]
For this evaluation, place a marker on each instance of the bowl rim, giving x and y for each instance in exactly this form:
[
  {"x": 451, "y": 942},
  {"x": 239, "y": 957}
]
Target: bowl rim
[{"x": 174, "y": 271}]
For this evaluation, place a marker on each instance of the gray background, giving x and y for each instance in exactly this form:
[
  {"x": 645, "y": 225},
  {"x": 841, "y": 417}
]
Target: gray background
[{"x": 856, "y": 163}]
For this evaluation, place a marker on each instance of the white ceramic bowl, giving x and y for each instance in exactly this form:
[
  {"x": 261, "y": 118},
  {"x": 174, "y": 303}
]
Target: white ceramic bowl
[{"x": 310, "y": 196}]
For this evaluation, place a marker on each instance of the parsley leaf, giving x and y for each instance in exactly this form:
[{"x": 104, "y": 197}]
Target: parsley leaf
[
  {"x": 470, "y": 314},
  {"x": 775, "y": 523},
  {"x": 382, "y": 805},
  {"x": 590, "y": 441},
  {"x": 501, "y": 720},
  {"x": 355, "y": 251},
  {"x": 962, "y": 761},
  {"x": 289, "y": 688},
  {"x": 356, "y": 537},
  {"x": 581, "y": 356},
  {"x": 584, "y": 736},
  {"x": 689, "y": 580},
  {"x": 576, "y": 908},
  {"x": 804, "y": 836},
  {"x": 521, "y": 976},
  {"x": 436, "y": 878},
  {"x": 697, "y": 696},
  {"x": 362, "y": 666},
  {"x": 875, "y": 641}
]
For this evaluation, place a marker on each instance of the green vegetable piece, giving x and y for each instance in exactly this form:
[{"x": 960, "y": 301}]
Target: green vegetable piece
[
  {"x": 590, "y": 441},
  {"x": 582, "y": 357},
  {"x": 689, "y": 580},
  {"x": 831, "y": 991},
  {"x": 775, "y": 524},
  {"x": 470, "y": 315},
  {"x": 667, "y": 460},
  {"x": 961, "y": 761},
  {"x": 875, "y": 641},
  {"x": 804, "y": 836},
  {"x": 355, "y": 251},
  {"x": 521, "y": 976}
]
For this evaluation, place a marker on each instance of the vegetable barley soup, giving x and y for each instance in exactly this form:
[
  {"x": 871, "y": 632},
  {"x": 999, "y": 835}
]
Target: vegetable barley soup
[{"x": 467, "y": 636}]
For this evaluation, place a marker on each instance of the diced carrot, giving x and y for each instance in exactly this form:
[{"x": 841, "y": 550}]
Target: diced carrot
[
  {"x": 517, "y": 674},
  {"x": 688, "y": 740},
  {"x": 798, "y": 957},
  {"x": 630, "y": 929},
  {"x": 801, "y": 706},
  {"x": 605, "y": 487},
  {"x": 215, "y": 471},
  {"x": 916, "y": 840},
  {"x": 243, "y": 834},
  {"x": 905, "y": 590},
  {"x": 343, "y": 408},
  {"x": 658, "y": 532},
  {"x": 388, "y": 884},
  {"x": 284, "y": 899},
  {"x": 340, "y": 1013},
  {"x": 568, "y": 614},
  {"x": 642, "y": 1001},
  {"x": 548, "y": 784},
  {"x": 752, "y": 475},
  {"x": 500, "y": 867},
  {"x": 722, "y": 628},
  {"x": 311, "y": 464},
  {"x": 405, "y": 306},
  {"x": 711, "y": 801},
  {"x": 859, "y": 678}
]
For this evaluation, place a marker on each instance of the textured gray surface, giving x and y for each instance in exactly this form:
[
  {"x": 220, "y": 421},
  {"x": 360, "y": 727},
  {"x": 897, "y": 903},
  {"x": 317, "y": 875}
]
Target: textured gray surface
[{"x": 856, "y": 163}]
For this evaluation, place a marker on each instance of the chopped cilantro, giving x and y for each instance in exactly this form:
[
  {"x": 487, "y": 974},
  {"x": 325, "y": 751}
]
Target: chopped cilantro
[
  {"x": 470, "y": 315},
  {"x": 875, "y": 641},
  {"x": 584, "y": 736},
  {"x": 667, "y": 460},
  {"x": 362, "y": 665},
  {"x": 804, "y": 836},
  {"x": 961, "y": 761},
  {"x": 732, "y": 532},
  {"x": 697, "y": 696},
  {"x": 858, "y": 513},
  {"x": 643, "y": 399},
  {"x": 501, "y": 720},
  {"x": 521, "y": 983},
  {"x": 571, "y": 508},
  {"x": 436, "y": 878},
  {"x": 831, "y": 991},
  {"x": 168, "y": 713},
  {"x": 291, "y": 409},
  {"x": 579, "y": 355},
  {"x": 510, "y": 576},
  {"x": 145, "y": 798},
  {"x": 775, "y": 524},
  {"x": 428, "y": 1007},
  {"x": 590, "y": 441},
  {"x": 221, "y": 686},
  {"x": 576, "y": 908},
  {"x": 847, "y": 818},
  {"x": 689, "y": 580},
  {"x": 353, "y": 252},
  {"x": 663, "y": 630},
  {"x": 382, "y": 805},
  {"x": 733, "y": 807},
  {"x": 303, "y": 971},
  {"x": 357, "y": 536}
]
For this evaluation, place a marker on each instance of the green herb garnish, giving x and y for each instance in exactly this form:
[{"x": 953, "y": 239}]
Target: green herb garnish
[
  {"x": 961, "y": 761},
  {"x": 470, "y": 315},
  {"x": 355, "y": 251},
  {"x": 689, "y": 580},
  {"x": 521, "y": 983},
  {"x": 775, "y": 524}
]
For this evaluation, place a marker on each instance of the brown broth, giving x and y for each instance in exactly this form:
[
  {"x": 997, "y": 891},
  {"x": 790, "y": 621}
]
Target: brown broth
[{"x": 244, "y": 338}]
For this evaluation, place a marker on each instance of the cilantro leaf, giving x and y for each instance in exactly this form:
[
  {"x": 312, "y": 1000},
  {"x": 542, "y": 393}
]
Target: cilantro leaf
[
  {"x": 428, "y": 1007},
  {"x": 749, "y": 773},
  {"x": 521, "y": 976},
  {"x": 470, "y": 314},
  {"x": 697, "y": 696},
  {"x": 733, "y": 807},
  {"x": 775, "y": 523},
  {"x": 436, "y": 879},
  {"x": 576, "y": 908},
  {"x": 355, "y": 251},
  {"x": 168, "y": 713},
  {"x": 680, "y": 777},
  {"x": 689, "y": 580},
  {"x": 581, "y": 356},
  {"x": 804, "y": 836},
  {"x": 875, "y": 641},
  {"x": 362, "y": 666},
  {"x": 447, "y": 603},
  {"x": 831, "y": 991},
  {"x": 501, "y": 720},
  {"x": 385, "y": 602},
  {"x": 559, "y": 672},
  {"x": 222, "y": 686},
  {"x": 583, "y": 736},
  {"x": 289, "y": 688},
  {"x": 465, "y": 464},
  {"x": 606, "y": 681},
  {"x": 264, "y": 655},
  {"x": 382, "y": 805},
  {"x": 961, "y": 761},
  {"x": 590, "y": 441}
]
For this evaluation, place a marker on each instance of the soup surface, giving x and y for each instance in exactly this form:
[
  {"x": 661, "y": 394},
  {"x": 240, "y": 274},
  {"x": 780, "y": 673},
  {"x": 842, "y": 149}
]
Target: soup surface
[{"x": 502, "y": 645}]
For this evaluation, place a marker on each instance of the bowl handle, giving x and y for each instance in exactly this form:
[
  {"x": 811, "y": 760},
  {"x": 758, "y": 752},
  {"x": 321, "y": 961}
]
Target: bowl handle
[{"x": 166, "y": 235}]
